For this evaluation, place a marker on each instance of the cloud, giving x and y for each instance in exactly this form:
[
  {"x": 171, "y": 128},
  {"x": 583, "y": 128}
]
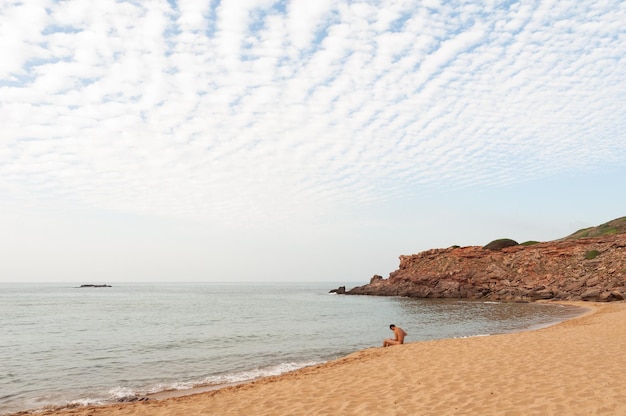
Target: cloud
[
  {"x": 240, "y": 114},
  {"x": 19, "y": 43}
]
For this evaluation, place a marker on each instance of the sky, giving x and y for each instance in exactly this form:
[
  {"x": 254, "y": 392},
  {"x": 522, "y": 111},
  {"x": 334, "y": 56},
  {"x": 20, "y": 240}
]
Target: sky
[{"x": 300, "y": 141}]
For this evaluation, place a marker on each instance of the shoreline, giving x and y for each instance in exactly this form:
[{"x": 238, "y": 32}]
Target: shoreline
[
  {"x": 583, "y": 307},
  {"x": 327, "y": 387},
  {"x": 200, "y": 388}
]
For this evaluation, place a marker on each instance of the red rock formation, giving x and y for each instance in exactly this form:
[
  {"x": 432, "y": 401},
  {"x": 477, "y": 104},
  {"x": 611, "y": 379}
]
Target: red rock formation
[{"x": 587, "y": 269}]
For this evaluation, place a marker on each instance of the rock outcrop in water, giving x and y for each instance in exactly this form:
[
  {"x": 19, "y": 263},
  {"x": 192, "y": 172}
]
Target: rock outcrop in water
[
  {"x": 341, "y": 290},
  {"x": 95, "y": 286},
  {"x": 573, "y": 268}
]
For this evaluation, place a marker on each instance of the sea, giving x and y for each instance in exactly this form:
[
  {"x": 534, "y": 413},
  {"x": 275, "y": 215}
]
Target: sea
[{"x": 65, "y": 345}]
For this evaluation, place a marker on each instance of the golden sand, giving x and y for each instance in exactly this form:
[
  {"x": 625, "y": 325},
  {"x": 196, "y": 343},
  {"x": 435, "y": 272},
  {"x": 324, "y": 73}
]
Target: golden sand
[{"x": 573, "y": 368}]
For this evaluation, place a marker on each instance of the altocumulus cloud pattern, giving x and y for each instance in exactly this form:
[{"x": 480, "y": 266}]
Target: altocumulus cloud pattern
[{"x": 242, "y": 110}]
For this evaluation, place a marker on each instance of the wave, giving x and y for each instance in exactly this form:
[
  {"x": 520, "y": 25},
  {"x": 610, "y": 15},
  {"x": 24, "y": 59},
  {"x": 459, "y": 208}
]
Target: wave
[
  {"x": 124, "y": 393},
  {"x": 242, "y": 376},
  {"x": 473, "y": 336}
]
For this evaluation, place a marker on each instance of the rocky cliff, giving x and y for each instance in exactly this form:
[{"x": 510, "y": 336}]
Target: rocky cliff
[{"x": 569, "y": 269}]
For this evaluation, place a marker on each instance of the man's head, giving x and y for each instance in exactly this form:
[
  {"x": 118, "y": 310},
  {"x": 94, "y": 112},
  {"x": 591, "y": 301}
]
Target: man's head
[{"x": 392, "y": 326}]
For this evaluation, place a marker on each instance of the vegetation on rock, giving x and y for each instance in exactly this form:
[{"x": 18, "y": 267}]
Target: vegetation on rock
[
  {"x": 616, "y": 226},
  {"x": 497, "y": 245},
  {"x": 529, "y": 243}
]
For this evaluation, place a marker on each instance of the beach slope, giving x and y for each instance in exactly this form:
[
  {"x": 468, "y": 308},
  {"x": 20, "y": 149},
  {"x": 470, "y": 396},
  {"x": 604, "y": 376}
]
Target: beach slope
[{"x": 573, "y": 368}]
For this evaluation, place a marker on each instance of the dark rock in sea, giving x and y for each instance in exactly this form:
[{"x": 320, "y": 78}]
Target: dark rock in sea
[
  {"x": 95, "y": 286},
  {"x": 341, "y": 290}
]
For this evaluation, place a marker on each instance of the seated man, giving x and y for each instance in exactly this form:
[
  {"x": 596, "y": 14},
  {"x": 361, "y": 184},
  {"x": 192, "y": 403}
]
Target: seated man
[{"x": 399, "y": 339}]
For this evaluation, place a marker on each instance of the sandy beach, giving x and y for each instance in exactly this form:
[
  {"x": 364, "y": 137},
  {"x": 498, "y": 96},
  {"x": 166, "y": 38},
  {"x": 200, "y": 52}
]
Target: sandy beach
[{"x": 573, "y": 368}]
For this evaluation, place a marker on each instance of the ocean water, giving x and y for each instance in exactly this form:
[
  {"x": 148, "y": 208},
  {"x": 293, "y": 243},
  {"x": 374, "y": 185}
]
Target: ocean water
[{"x": 63, "y": 345}]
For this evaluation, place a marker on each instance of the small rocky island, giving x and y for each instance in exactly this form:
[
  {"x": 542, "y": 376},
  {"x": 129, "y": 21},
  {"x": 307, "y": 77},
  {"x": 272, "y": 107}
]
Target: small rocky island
[
  {"x": 95, "y": 286},
  {"x": 588, "y": 265}
]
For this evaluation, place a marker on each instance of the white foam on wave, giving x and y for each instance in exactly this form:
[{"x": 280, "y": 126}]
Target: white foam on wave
[
  {"x": 178, "y": 385},
  {"x": 474, "y": 336},
  {"x": 85, "y": 402},
  {"x": 181, "y": 388},
  {"x": 120, "y": 392},
  {"x": 253, "y": 374}
]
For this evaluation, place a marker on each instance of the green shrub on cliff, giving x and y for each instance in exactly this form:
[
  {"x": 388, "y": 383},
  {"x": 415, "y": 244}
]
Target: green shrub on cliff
[
  {"x": 591, "y": 254},
  {"x": 501, "y": 243},
  {"x": 616, "y": 226},
  {"x": 529, "y": 243}
]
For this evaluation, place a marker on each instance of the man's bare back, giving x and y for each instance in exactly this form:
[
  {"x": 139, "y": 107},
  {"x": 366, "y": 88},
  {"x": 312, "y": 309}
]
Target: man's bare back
[{"x": 399, "y": 339}]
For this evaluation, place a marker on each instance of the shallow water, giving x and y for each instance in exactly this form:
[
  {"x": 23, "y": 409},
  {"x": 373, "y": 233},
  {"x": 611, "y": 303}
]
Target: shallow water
[{"x": 60, "y": 344}]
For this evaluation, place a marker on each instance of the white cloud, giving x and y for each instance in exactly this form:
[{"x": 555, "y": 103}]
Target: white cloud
[
  {"x": 269, "y": 112},
  {"x": 303, "y": 21},
  {"x": 21, "y": 37}
]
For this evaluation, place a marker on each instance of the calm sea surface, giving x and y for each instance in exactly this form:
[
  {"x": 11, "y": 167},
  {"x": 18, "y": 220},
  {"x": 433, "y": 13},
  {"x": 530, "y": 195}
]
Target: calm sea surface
[{"x": 60, "y": 344}]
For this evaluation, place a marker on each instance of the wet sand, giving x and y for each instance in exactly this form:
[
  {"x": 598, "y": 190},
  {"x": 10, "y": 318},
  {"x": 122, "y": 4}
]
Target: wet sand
[{"x": 572, "y": 368}]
